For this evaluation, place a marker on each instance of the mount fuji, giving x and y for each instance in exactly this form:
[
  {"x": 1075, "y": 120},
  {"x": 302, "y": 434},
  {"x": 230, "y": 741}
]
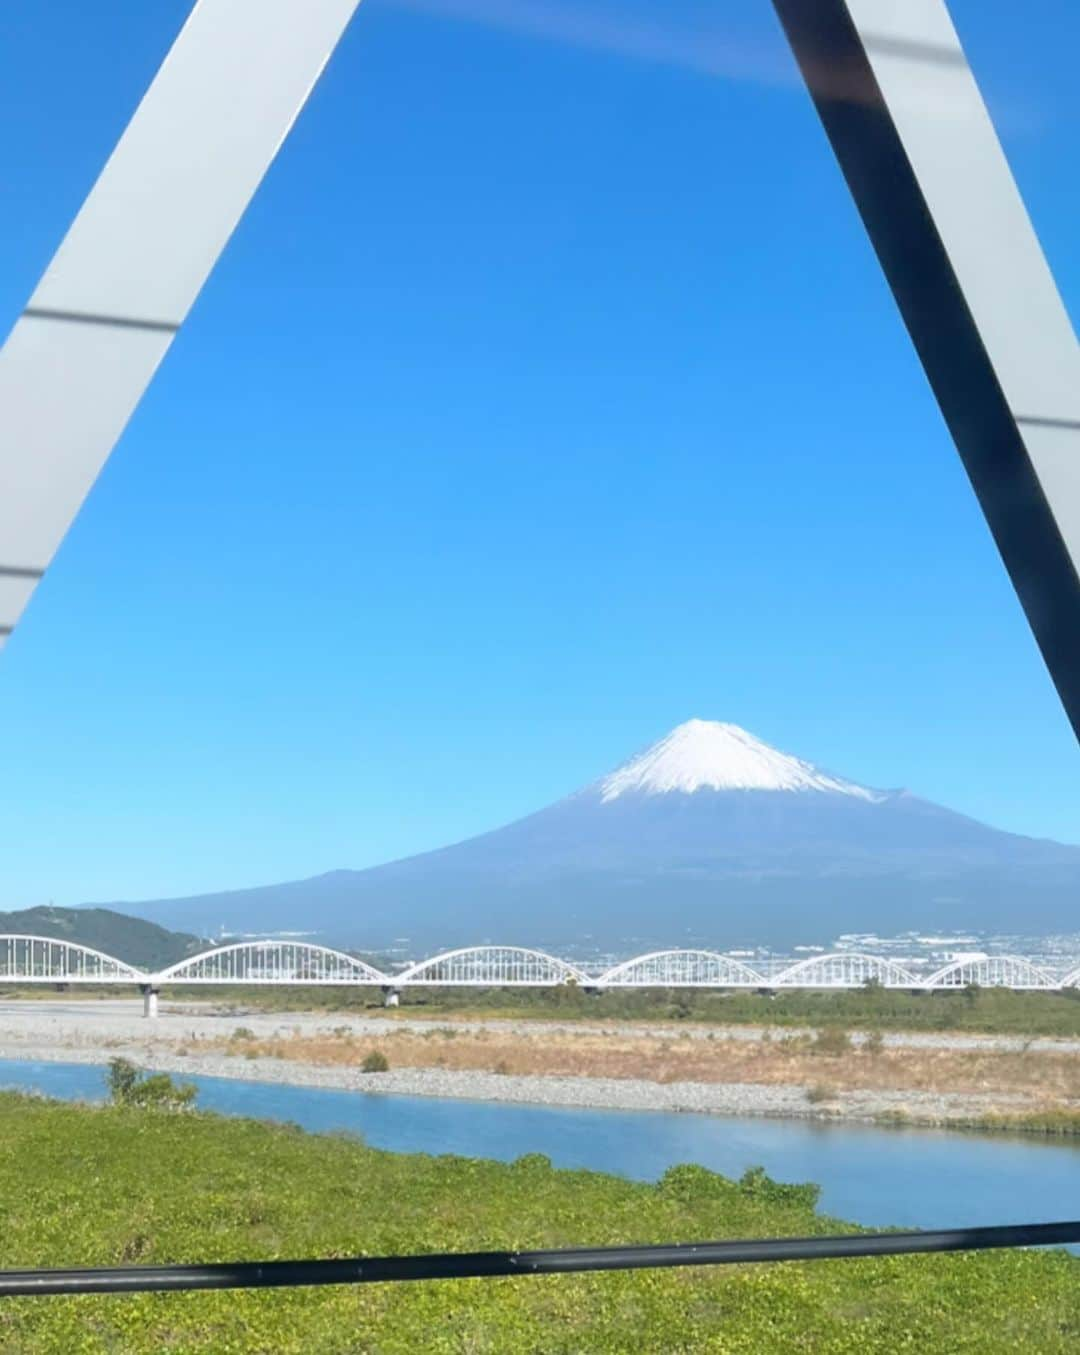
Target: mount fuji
[{"x": 709, "y": 836}]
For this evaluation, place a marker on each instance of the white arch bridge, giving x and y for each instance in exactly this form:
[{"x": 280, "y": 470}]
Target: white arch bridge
[{"x": 48, "y": 960}]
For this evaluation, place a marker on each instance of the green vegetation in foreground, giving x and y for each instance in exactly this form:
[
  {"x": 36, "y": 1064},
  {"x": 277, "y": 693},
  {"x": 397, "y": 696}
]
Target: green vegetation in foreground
[
  {"x": 142, "y": 944},
  {"x": 994, "y": 1011},
  {"x": 115, "y": 1184}
]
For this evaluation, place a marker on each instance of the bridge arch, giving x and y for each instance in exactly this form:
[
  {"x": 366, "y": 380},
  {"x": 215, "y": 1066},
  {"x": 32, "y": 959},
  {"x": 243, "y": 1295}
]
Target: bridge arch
[
  {"x": 1070, "y": 979},
  {"x": 494, "y": 966},
  {"x": 845, "y": 969},
  {"x": 44, "y": 959},
  {"x": 273, "y": 962},
  {"x": 681, "y": 969},
  {"x": 992, "y": 971}
]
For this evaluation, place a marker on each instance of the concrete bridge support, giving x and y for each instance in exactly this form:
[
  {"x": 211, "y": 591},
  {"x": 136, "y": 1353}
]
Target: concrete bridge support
[{"x": 150, "y": 1001}]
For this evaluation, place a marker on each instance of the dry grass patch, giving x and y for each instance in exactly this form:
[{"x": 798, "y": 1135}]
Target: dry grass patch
[{"x": 828, "y": 1059}]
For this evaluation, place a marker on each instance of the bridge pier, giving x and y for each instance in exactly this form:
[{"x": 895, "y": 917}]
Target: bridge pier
[
  {"x": 150, "y": 1001},
  {"x": 391, "y": 997}
]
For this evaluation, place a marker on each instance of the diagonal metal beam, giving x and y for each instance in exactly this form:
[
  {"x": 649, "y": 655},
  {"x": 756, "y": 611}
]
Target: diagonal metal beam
[
  {"x": 928, "y": 174},
  {"x": 122, "y": 282}
]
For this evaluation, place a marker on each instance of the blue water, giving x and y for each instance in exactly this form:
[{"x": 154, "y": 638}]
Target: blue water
[{"x": 877, "y": 1177}]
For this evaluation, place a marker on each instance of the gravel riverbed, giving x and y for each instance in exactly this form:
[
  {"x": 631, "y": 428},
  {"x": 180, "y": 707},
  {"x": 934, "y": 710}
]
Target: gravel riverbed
[
  {"x": 45, "y": 1021},
  {"x": 84, "y": 1032}
]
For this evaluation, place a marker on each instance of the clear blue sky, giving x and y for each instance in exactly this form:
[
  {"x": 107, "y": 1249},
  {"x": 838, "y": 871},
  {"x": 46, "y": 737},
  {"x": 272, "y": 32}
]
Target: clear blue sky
[{"x": 547, "y": 396}]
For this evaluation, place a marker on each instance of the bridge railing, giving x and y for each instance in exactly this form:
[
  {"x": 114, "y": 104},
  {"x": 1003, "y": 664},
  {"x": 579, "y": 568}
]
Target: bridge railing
[
  {"x": 273, "y": 962},
  {"x": 846, "y": 969},
  {"x": 43, "y": 959},
  {"x": 492, "y": 967},
  {"x": 994, "y": 971},
  {"x": 682, "y": 969}
]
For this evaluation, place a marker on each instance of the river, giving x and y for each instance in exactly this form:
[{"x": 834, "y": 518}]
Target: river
[{"x": 877, "y": 1177}]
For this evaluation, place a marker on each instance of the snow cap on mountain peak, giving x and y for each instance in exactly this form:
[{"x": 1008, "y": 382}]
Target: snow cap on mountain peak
[{"x": 708, "y": 755}]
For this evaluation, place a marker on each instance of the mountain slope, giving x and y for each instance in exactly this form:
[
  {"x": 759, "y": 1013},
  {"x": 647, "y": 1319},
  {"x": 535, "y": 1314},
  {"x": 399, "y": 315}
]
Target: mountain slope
[
  {"x": 142, "y": 944},
  {"x": 709, "y": 836}
]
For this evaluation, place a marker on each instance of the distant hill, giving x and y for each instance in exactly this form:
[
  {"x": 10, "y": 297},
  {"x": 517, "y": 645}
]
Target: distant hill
[
  {"x": 709, "y": 837},
  {"x": 142, "y": 944}
]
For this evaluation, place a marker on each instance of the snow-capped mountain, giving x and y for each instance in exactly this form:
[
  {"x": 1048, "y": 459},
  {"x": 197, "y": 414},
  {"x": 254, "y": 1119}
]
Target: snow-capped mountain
[
  {"x": 709, "y": 836},
  {"x": 707, "y": 755}
]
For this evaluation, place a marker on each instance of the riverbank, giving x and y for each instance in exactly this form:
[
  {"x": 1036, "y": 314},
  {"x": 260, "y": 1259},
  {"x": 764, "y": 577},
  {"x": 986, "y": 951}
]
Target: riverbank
[
  {"x": 592, "y": 1093},
  {"x": 94, "y": 1186},
  {"x": 963, "y": 1081}
]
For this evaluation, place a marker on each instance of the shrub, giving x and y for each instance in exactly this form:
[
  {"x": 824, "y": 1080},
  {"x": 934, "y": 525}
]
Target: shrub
[
  {"x": 375, "y": 1062},
  {"x": 688, "y": 1181},
  {"x": 568, "y": 995},
  {"x": 533, "y": 1162},
  {"x": 874, "y": 1043},
  {"x": 832, "y": 1042},
  {"x": 757, "y": 1182},
  {"x": 159, "y": 1090},
  {"x": 121, "y": 1079},
  {"x": 128, "y": 1086},
  {"x": 820, "y": 1093},
  {"x": 242, "y": 1033}
]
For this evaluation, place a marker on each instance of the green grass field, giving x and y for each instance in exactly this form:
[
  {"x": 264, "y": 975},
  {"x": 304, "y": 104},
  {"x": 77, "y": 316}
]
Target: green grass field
[
  {"x": 99, "y": 1186},
  {"x": 985, "y": 1010}
]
